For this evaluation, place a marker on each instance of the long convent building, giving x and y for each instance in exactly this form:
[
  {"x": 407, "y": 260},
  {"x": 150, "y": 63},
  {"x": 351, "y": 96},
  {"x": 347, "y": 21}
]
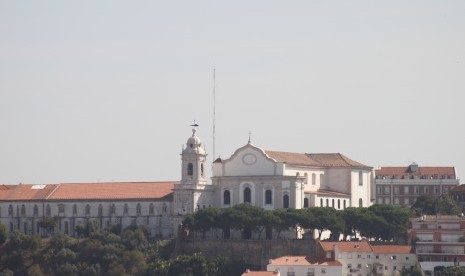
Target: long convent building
[{"x": 269, "y": 179}]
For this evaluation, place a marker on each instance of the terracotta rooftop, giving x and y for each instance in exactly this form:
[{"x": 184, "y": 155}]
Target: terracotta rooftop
[
  {"x": 303, "y": 260},
  {"x": 460, "y": 188},
  {"x": 391, "y": 249},
  {"x": 347, "y": 246},
  {"x": 89, "y": 191},
  {"x": 260, "y": 273},
  {"x": 314, "y": 159},
  {"x": 407, "y": 172}
]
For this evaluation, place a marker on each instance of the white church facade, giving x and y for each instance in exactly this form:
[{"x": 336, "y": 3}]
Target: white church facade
[{"x": 269, "y": 179}]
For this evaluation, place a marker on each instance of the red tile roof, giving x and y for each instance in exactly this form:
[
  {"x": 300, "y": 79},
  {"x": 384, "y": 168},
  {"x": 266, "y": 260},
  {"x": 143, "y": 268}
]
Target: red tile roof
[
  {"x": 406, "y": 171},
  {"x": 259, "y": 273},
  {"x": 391, "y": 249},
  {"x": 303, "y": 260},
  {"x": 314, "y": 159},
  {"x": 347, "y": 246},
  {"x": 89, "y": 191}
]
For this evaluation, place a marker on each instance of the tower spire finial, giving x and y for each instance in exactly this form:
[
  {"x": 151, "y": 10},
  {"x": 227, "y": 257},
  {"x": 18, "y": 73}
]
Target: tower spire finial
[
  {"x": 194, "y": 125},
  {"x": 250, "y": 134}
]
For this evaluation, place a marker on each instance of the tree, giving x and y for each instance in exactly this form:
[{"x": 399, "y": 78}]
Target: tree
[
  {"x": 352, "y": 221},
  {"x": 49, "y": 223},
  {"x": 3, "y": 234}
]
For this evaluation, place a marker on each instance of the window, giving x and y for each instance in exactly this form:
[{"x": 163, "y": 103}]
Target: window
[
  {"x": 151, "y": 209},
  {"x": 268, "y": 197},
  {"x": 360, "y": 178},
  {"x": 311, "y": 272},
  {"x": 100, "y": 210},
  {"x": 74, "y": 209},
  {"x": 396, "y": 201},
  {"x": 360, "y": 202},
  {"x": 286, "y": 201},
  {"x": 394, "y": 257},
  {"x": 377, "y": 257},
  {"x": 387, "y": 200},
  {"x": 87, "y": 210},
  {"x": 406, "y": 192},
  {"x": 190, "y": 169},
  {"x": 23, "y": 210},
  {"x": 416, "y": 190},
  {"x": 226, "y": 197},
  {"x": 36, "y": 210},
  {"x": 332, "y": 205},
  {"x": 306, "y": 178},
  {"x": 327, "y": 202},
  {"x": 359, "y": 256},
  {"x": 436, "y": 190},
  {"x": 61, "y": 208},
  {"x": 344, "y": 203},
  {"x": 247, "y": 195},
  {"x": 66, "y": 228},
  {"x": 321, "y": 179},
  {"x": 201, "y": 169},
  {"x": 380, "y": 200},
  {"x": 387, "y": 190},
  {"x": 126, "y": 209},
  {"x": 10, "y": 210},
  {"x": 138, "y": 209},
  {"x": 445, "y": 190},
  {"x": 313, "y": 178},
  {"x": 396, "y": 190},
  {"x": 379, "y": 190},
  {"x": 321, "y": 202},
  {"x": 349, "y": 255},
  {"x": 323, "y": 271},
  {"x": 426, "y": 190},
  {"x": 290, "y": 271},
  {"x": 305, "y": 202},
  {"x": 48, "y": 211},
  {"x": 406, "y": 201},
  {"x": 112, "y": 209},
  {"x": 339, "y": 204}
]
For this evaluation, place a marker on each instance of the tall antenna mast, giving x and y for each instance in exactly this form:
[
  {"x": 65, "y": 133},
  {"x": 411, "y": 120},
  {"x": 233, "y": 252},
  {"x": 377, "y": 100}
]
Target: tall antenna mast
[{"x": 214, "y": 113}]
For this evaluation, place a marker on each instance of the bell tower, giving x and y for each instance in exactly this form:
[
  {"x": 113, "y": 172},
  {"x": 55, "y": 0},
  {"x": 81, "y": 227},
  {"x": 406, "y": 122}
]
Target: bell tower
[
  {"x": 193, "y": 192},
  {"x": 193, "y": 158}
]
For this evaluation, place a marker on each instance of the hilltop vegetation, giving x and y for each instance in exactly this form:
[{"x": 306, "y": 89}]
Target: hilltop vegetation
[{"x": 103, "y": 253}]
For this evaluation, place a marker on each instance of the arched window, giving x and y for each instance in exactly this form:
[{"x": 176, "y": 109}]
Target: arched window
[
  {"x": 332, "y": 205},
  {"x": 126, "y": 209},
  {"x": 321, "y": 202},
  {"x": 10, "y": 210},
  {"x": 48, "y": 211},
  {"x": 338, "y": 204},
  {"x": 138, "y": 209},
  {"x": 344, "y": 203},
  {"x": 23, "y": 210},
  {"x": 61, "y": 208},
  {"x": 360, "y": 178},
  {"x": 268, "y": 197},
  {"x": 190, "y": 169},
  {"x": 226, "y": 197},
  {"x": 327, "y": 202},
  {"x": 201, "y": 169},
  {"x": 305, "y": 202},
  {"x": 247, "y": 195},
  {"x": 87, "y": 210},
  {"x": 321, "y": 179},
  {"x": 285, "y": 201},
  {"x": 360, "y": 202},
  {"x": 297, "y": 174},
  {"x": 100, "y": 210},
  {"x": 313, "y": 178},
  {"x": 36, "y": 210}
]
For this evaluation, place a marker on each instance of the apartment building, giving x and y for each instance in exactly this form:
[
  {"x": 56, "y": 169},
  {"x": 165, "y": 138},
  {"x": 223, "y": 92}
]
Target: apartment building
[
  {"x": 403, "y": 185},
  {"x": 438, "y": 241}
]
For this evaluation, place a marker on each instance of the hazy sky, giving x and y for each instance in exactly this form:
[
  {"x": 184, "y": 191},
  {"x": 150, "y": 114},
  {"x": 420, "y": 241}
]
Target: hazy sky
[{"x": 106, "y": 90}]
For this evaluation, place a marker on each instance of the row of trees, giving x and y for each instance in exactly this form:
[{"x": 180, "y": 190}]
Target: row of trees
[
  {"x": 380, "y": 222},
  {"x": 129, "y": 252},
  {"x": 442, "y": 205}
]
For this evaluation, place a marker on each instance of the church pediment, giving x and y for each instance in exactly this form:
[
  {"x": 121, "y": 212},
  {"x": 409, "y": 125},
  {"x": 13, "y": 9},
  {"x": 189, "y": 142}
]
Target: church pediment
[{"x": 249, "y": 160}]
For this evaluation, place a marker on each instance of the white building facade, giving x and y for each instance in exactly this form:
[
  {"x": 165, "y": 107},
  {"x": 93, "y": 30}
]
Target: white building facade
[{"x": 269, "y": 179}]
